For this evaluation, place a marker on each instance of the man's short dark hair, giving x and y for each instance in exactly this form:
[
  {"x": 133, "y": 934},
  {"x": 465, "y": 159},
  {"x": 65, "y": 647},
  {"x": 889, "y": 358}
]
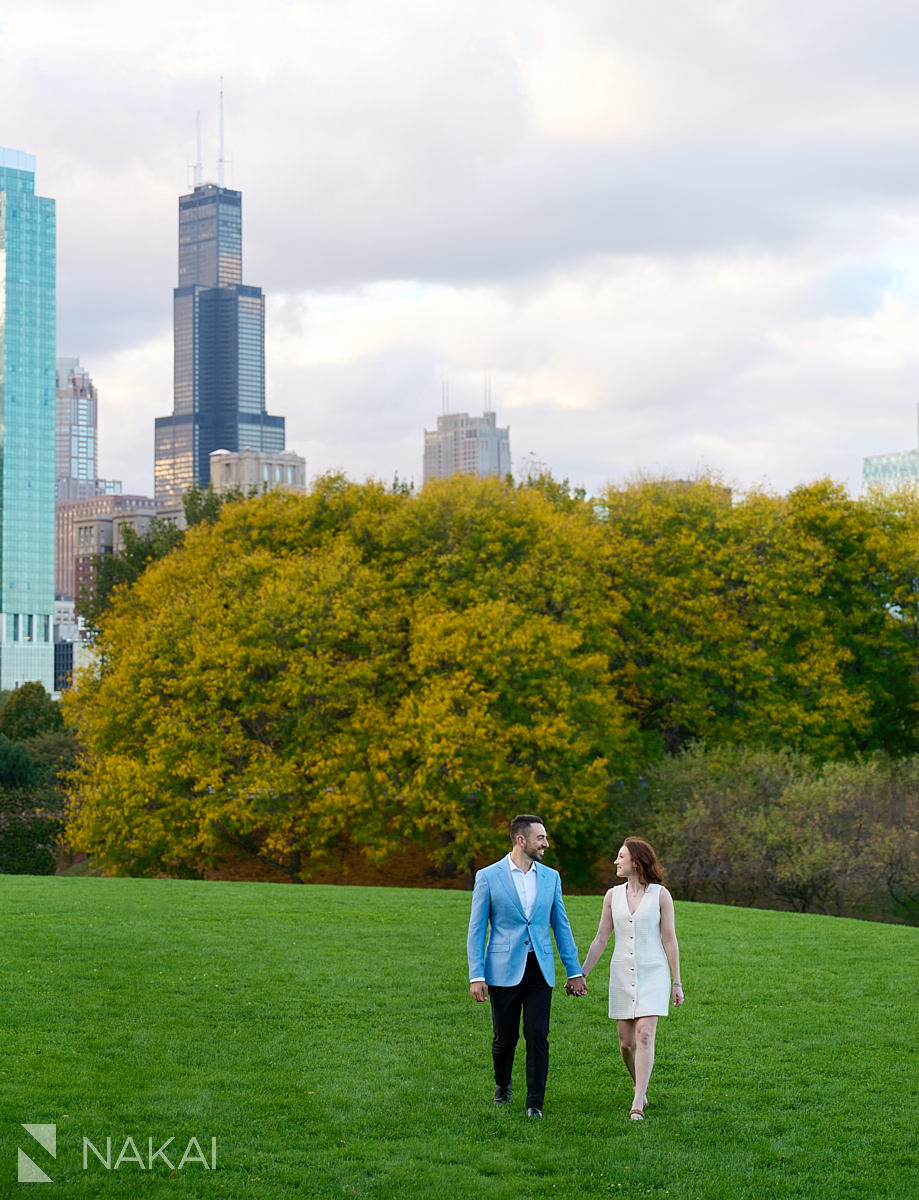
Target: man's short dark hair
[{"x": 522, "y": 823}]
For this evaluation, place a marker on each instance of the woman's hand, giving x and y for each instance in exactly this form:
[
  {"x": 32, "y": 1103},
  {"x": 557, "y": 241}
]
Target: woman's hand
[{"x": 677, "y": 994}]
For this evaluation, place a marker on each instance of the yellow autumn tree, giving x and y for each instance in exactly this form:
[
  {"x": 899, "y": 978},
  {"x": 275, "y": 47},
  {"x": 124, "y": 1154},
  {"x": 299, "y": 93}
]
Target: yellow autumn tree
[
  {"x": 764, "y": 619},
  {"x": 353, "y": 666},
  {"x": 367, "y": 667}
]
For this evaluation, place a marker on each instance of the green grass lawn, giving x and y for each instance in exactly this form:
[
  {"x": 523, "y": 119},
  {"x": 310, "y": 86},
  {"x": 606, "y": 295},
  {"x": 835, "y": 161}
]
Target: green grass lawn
[{"x": 325, "y": 1037}]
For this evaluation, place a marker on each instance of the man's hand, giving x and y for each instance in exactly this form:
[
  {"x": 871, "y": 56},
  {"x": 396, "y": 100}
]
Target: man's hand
[
  {"x": 576, "y": 986},
  {"x": 478, "y": 991}
]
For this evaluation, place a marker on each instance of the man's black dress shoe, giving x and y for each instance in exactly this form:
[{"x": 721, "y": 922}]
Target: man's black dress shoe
[
  {"x": 534, "y": 1112},
  {"x": 503, "y": 1094}
]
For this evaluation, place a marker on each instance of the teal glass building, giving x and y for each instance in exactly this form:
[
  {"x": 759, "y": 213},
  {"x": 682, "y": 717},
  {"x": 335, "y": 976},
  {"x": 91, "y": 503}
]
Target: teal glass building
[
  {"x": 891, "y": 472},
  {"x": 219, "y": 329},
  {"x": 27, "y": 424}
]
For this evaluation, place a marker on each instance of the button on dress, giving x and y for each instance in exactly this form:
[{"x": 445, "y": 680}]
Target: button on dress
[{"x": 639, "y": 974}]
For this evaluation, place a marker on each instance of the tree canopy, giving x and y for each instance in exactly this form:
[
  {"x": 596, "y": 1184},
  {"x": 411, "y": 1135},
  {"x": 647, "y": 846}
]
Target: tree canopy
[
  {"x": 781, "y": 621},
  {"x": 353, "y": 664},
  {"x": 28, "y": 711},
  {"x": 376, "y": 667},
  {"x": 35, "y": 750}
]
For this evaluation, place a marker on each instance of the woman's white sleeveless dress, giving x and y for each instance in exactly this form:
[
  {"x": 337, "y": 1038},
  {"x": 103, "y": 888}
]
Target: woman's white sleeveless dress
[{"x": 639, "y": 974}]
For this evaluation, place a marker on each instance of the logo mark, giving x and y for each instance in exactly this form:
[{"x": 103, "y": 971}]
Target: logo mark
[{"x": 46, "y": 1136}]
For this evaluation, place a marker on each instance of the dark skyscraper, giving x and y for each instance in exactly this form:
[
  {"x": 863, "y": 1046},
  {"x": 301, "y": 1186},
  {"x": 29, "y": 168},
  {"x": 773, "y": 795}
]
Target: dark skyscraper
[{"x": 219, "y": 325}]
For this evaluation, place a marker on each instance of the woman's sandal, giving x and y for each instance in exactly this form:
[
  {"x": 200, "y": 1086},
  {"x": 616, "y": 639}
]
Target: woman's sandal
[{"x": 635, "y": 1114}]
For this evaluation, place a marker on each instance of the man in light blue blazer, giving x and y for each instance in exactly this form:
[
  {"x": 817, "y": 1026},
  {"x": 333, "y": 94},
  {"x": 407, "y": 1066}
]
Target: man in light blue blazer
[{"x": 520, "y": 899}]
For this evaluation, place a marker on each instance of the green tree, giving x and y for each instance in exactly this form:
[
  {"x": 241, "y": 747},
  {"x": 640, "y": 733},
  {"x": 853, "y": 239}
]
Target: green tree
[
  {"x": 203, "y": 504},
  {"x": 33, "y": 748},
  {"x": 357, "y": 665},
  {"x": 54, "y": 754},
  {"x": 16, "y": 767},
  {"x": 777, "y": 621},
  {"x": 31, "y": 824},
  {"x": 29, "y": 710}
]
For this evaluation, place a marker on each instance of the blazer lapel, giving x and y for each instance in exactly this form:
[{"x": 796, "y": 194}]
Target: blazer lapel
[{"x": 511, "y": 886}]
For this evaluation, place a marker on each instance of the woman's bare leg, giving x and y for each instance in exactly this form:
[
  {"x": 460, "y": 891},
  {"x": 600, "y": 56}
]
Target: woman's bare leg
[
  {"x": 645, "y": 1029},
  {"x": 627, "y": 1042}
]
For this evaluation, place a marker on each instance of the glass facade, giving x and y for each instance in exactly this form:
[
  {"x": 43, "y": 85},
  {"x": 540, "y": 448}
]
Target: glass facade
[
  {"x": 210, "y": 237},
  {"x": 27, "y": 424},
  {"x": 891, "y": 471},
  {"x": 75, "y": 446},
  {"x": 219, "y": 329}
]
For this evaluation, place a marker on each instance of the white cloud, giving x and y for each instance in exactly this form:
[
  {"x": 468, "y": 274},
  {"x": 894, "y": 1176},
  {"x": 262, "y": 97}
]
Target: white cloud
[
  {"x": 586, "y": 80},
  {"x": 135, "y": 387},
  {"x": 669, "y": 234},
  {"x": 622, "y": 366}
]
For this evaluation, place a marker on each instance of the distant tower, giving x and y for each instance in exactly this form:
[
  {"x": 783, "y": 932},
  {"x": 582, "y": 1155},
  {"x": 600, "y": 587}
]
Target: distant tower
[
  {"x": 464, "y": 445},
  {"x": 888, "y": 472},
  {"x": 28, "y": 249},
  {"x": 76, "y": 464},
  {"x": 75, "y": 447},
  {"x": 219, "y": 329}
]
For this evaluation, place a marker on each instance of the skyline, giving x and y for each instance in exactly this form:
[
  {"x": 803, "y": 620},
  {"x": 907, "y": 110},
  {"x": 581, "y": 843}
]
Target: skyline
[{"x": 671, "y": 240}]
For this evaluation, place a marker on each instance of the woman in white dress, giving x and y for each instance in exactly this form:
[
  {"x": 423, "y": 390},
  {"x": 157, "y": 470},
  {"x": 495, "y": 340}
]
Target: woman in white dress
[{"x": 645, "y": 956}]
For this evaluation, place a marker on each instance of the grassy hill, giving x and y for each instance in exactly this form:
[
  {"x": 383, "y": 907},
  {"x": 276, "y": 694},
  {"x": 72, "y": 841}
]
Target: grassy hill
[{"x": 325, "y": 1037}]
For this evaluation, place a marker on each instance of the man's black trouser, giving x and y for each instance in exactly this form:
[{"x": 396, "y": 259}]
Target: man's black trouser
[{"x": 533, "y": 997}]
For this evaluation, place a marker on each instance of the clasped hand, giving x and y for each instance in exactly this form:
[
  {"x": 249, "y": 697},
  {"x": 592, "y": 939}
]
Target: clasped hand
[{"x": 576, "y": 986}]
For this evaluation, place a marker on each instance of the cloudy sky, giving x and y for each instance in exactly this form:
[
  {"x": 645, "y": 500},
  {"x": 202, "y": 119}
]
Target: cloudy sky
[{"x": 673, "y": 234}]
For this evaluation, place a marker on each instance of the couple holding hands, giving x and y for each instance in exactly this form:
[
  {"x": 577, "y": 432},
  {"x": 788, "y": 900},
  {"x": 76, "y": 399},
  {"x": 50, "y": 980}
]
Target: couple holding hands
[{"x": 517, "y": 905}]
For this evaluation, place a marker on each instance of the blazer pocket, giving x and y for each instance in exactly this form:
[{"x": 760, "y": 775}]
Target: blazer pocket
[{"x": 499, "y": 948}]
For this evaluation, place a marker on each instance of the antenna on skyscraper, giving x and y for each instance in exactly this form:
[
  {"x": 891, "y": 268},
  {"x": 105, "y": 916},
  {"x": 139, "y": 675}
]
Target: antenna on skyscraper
[
  {"x": 220, "y": 158},
  {"x": 199, "y": 169}
]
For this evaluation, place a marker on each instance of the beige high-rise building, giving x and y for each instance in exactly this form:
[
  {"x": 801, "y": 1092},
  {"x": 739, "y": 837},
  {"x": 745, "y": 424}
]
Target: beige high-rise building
[
  {"x": 464, "y": 445},
  {"x": 257, "y": 471}
]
